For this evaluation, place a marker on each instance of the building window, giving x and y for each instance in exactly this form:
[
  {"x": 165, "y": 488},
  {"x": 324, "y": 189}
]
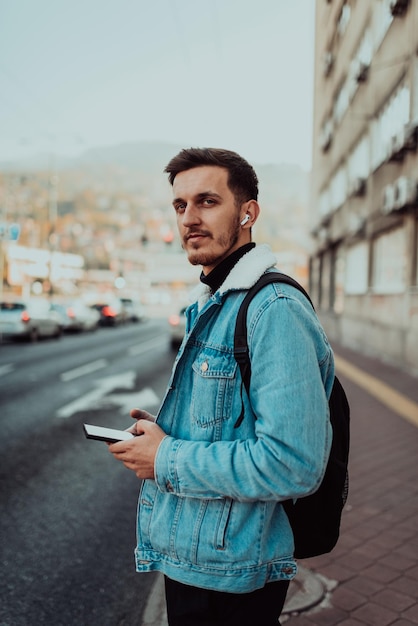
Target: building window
[
  {"x": 334, "y": 195},
  {"x": 390, "y": 122},
  {"x": 344, "y": 19},
  {"x": 357, "y": 269},
  {"x": 390, "y": 262},
  {"x": 342, "y": 102},
  {"x": 314, "y": 277},
  {"x": 384, "y": 19},
  {"x": 357, "y": 73},
  {"x": 326, "y": 284},
  {"x": 360, "y": 64},
  {"x": 326, "y": 134},
  {"x": 359, "y": 160},
  {"x": 324, "y": 203},
  {"x": 365, "y": 49},
  {"x": 338, "y": 188},
  {"x": 339, "y": 274}
]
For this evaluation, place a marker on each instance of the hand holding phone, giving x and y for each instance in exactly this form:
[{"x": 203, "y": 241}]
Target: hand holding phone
[{"x": 111, "y": 435}]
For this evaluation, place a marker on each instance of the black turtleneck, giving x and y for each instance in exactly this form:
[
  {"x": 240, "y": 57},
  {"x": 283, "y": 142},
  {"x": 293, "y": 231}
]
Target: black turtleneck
[{"x": 216, "y": 277}]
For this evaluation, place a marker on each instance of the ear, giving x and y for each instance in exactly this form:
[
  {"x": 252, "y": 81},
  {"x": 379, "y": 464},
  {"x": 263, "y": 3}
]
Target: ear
[{"x": 252, "y": 209}]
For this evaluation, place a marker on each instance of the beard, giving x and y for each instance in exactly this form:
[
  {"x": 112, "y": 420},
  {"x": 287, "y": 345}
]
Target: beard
[{"x": 213, "y": 249}]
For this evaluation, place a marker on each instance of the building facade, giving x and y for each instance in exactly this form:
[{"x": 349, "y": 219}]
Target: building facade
[{"x": 364, "y": 265}]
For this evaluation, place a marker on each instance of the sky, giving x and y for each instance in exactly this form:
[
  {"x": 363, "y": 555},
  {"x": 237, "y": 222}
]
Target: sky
[{"x": 237, "y": 74}]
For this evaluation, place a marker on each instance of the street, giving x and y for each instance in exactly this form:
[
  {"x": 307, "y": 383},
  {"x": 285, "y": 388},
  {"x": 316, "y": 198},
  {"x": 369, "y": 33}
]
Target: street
[{"x": 68, "y": 509}]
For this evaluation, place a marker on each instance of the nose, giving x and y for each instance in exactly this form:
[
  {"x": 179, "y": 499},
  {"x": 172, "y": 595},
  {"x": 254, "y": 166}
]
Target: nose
[{"x": 190, "y": 216}]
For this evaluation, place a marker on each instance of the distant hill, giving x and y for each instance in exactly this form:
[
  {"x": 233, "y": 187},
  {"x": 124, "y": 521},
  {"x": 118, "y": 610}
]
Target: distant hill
[
  {"x": 107, "y": 187},
  {"x": 129, "y": 162},
  {"x": 144, "y": 156},
  {"x": 137, "y": 167}
]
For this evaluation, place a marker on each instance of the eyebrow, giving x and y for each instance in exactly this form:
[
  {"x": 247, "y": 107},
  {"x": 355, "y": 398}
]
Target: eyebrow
[{"x": 200, "y": 196}]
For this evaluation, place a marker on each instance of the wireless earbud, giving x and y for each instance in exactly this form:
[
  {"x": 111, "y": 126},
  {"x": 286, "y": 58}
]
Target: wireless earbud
[{"x": 245, "y": 220}]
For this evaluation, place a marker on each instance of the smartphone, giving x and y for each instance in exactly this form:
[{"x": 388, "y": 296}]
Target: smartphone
[{"x": 110, "y": 435}]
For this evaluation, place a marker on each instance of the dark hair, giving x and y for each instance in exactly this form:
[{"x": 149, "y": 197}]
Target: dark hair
[{"x": 242, "y": 179}]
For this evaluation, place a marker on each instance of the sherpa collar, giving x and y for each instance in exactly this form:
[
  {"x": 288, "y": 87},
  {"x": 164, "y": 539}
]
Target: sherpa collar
[{"x": 242, "y": 276}]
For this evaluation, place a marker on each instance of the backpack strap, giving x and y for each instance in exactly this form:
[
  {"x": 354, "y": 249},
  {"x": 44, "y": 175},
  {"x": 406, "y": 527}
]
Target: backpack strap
[{"x": 241, "y": 352}]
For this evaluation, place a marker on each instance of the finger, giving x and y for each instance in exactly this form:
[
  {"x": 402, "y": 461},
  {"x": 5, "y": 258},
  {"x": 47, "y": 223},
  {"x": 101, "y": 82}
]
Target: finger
[
  {"x": 140, "y": 414},
  {"x": 144, "y": 426},
  {"x": 118, "y": 447}
]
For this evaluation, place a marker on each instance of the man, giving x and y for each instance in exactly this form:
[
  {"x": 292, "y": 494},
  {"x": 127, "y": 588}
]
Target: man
[{"x": 210, "y": 515}]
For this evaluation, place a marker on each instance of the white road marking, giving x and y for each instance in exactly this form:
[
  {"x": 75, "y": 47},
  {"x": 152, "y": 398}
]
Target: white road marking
[
  {"x": 88, "y": 368},
  {"x": 6, "y": 369},
  {"x": 102, "y": 392},
  {"x": 145, "y": 398},
  {"x": 93, "y": 398}
]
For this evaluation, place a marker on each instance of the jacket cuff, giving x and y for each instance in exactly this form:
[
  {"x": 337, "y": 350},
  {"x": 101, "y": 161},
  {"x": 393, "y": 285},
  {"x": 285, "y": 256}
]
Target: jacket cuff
[{"x": 166, "y": 477}]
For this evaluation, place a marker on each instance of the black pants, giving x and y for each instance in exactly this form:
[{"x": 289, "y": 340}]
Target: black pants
[{"x": 191, "y": 606}]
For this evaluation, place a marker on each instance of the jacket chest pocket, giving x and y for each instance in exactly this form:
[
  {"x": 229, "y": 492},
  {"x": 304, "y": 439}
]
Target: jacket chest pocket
[{"x": 213, "y": 388}]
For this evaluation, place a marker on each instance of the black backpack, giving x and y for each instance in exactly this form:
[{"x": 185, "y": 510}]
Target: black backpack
[{"x": 315, "y": 519}]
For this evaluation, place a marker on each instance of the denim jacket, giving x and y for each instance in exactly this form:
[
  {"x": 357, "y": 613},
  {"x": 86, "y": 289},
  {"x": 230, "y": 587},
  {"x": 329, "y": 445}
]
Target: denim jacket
[{"x": 213, "y": 518}]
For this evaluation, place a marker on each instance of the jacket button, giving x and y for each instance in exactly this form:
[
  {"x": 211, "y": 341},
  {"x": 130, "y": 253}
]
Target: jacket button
[{"x": 204, "y": 367}]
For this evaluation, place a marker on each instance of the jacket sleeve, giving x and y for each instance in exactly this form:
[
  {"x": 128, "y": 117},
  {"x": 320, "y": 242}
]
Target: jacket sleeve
[{"x": 292, "y": 375}]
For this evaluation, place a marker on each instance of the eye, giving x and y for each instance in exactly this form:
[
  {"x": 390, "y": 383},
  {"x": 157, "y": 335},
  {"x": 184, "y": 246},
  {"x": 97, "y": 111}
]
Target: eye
[
  {"x": 208, "y": 202},
  {"x": 180, "y": 207}
]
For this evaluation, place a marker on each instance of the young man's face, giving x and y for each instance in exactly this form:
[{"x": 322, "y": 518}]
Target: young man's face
[{"x": 208, "y": 218}]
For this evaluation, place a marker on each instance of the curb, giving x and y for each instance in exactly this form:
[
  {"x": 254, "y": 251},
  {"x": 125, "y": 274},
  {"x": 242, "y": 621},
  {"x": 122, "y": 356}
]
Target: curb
[{"x": 155, "y": 613}]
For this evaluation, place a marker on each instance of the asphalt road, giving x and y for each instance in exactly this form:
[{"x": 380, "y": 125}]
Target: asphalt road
[{"x": 67, "y": 523}]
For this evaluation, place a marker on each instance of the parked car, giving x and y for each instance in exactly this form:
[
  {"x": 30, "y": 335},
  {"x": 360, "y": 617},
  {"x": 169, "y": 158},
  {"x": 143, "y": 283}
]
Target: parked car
[
  {"x": 112, "y": 312},
  {"x": 62, "y": 315},
  {"x": 177, "y": 324},
  {"x": 134, "y": 309},
  {"x": 29, "y": 319},
  {"x": 77, "y": 315}
]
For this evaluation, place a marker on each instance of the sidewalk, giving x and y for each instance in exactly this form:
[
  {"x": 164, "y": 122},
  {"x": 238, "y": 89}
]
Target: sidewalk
[{"x": 371, "y": 577}]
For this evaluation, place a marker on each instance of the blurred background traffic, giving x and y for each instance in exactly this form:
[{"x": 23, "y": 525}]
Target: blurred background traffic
[{"x": 324, "y": 104}]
